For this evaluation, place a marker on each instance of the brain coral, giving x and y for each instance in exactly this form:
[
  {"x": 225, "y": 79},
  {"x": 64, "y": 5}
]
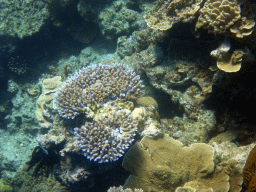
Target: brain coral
[
  {"x": 217, "y": 16},
  {"x": 106, "y": 140},
  {"x": 94, "y": 86}
]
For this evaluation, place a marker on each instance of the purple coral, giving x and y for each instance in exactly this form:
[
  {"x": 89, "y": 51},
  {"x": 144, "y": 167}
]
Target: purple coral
[
  {"x": 107, "y": 139},
  {"x": 96, "y": 85}
]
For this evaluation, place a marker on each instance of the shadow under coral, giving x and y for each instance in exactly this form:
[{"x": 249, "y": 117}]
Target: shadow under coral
[{"x": 44, "y": 160}]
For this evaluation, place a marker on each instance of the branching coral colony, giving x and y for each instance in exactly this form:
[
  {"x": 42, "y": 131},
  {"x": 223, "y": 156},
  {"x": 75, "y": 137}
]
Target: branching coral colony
[{"x": 91, "y": 88}]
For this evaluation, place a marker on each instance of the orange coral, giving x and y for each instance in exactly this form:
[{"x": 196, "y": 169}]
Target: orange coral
[{"x": 249, "y": 175}]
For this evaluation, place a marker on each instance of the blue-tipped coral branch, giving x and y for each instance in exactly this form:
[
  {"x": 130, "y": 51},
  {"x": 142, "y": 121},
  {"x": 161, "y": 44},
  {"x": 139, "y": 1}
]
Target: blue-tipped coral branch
[{"x": 96, "y": 85}]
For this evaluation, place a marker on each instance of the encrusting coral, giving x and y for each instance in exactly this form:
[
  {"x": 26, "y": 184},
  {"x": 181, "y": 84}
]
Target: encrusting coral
[
  {"x": 104, "y": 93},
  {"x": 218, "y": 16},
  {"x": 107, "y": 139},
  {"x": 172, "y": 12},
  {"x": 162, "y": 164},
  {"x": 94, "y": 86}
]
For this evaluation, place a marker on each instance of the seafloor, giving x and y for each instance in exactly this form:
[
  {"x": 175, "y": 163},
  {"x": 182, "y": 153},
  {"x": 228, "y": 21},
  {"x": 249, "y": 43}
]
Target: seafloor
[{"x": 127, "y": 95}]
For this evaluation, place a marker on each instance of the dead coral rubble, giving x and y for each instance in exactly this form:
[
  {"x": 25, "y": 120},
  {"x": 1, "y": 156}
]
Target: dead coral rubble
[{"x": 107, "y": 139}]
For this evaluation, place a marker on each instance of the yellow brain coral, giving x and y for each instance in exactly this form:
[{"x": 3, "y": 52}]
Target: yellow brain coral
[
  {"x": 218, "y": 15},
  {"x": 170, "y": 12}
]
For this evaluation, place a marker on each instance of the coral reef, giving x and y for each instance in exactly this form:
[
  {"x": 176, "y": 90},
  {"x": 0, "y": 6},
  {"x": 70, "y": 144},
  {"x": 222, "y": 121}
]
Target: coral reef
[
  {"x": 117, "y": 20},
  {"x": 147, "y": 101},
  {"x": 4, "y": 187},
  {"x": 18, "y": 65},
  {"x": 153, "y": 166},
  {"x": 120, "y": 189},
  {"x": 218, "y": 16},
  {"x": 172, "y": 12},
  {"x": 194, "y": 121},
  {"x": 227, "y": 175},
  {"x": 243, "y": 27},
  {"x": 162, "y": 164},
  {"x": 44, "y": 103},
  {"x": 22, "y": 115},
  {"x": 22, "y": 18},
  {"x": 24, "y": 181},
  {"x": 94, "y": 86},
  {"x": 230, "y": 62},
  {"x": 70, "y": 171},
  {"x": 107, "y": 139}
]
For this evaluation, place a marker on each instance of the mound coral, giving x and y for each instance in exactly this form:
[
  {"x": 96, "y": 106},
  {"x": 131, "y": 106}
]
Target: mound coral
[
  {"x": 107, "y": 139},
  {"x": 218, "y": 16},
  {"x": 163, "y": 164},
  {"x": 94, "y": 86}
]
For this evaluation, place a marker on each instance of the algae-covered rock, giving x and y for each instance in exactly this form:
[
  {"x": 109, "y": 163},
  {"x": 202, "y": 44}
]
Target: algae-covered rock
[
  {"x": 4, "y": 187},
  {"x": 117, "y": 21},
  {"x": 22, "y": 18}
]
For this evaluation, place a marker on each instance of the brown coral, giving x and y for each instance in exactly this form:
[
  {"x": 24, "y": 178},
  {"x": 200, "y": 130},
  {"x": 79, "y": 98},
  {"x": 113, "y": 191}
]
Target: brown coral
[
  {"x": 171, "y": 12},
  {"x": 162, "y": 164},
  {"x": 226, "y": 177},
  {"x": 249, "y": 175},
  {"x": 218, "y": 16},
  {"x": 243, "y": 28},
  {"x": 230, "y": 63},
  {"x": 147, "y": 101}
]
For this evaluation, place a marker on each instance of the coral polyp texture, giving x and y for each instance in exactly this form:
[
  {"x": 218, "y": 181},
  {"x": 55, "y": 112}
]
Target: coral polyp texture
[
  {"x": 94, "y": 86},
  {"x": 218, "y": 16},
  {"x": 107, "y": 139}
]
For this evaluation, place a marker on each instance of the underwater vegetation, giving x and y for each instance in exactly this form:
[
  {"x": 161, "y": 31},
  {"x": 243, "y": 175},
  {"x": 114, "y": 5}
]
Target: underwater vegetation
[{"x": 127, "y": 95}]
